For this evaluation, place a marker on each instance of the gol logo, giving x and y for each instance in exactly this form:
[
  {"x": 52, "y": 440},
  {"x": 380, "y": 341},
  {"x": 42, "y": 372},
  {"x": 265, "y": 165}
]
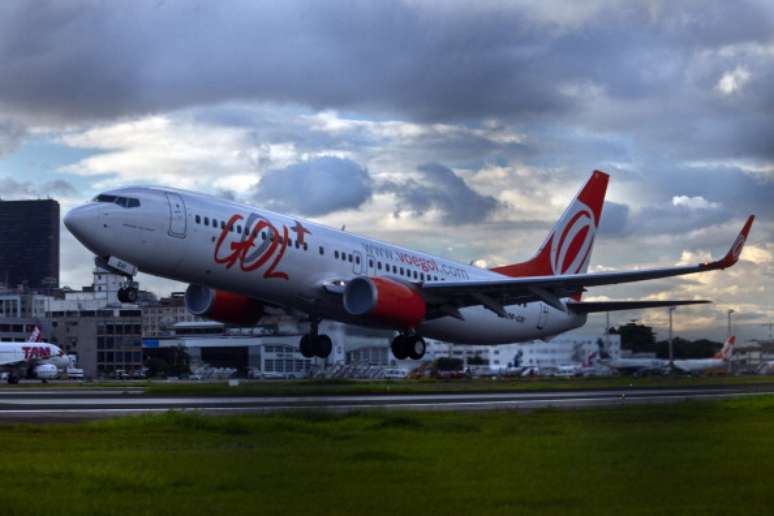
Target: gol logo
[
  {"x": 251, "y": 253},
  {"x": 571, "y": 249}
]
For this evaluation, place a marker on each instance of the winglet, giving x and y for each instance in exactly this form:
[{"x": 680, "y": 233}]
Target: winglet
[{"x": 732, "y": 256}]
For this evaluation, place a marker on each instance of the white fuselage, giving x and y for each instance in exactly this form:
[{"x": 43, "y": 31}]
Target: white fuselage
[
  {"x": 180, "y": 235},
  {"x": 14, "y": 354}
]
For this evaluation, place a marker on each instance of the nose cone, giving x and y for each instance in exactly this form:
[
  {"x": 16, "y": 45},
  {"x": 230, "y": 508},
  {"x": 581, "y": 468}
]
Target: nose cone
[
  {"x": 77, "y": 221},
  {"x": 82, "y": 223}
]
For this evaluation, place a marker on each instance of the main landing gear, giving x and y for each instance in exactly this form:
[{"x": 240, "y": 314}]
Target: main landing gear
[
  {"x": 315, "y": 345},
  {"x": 408, "y": 346}
]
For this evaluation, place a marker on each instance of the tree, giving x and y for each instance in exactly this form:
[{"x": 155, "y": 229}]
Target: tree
[{"x": 637, "y": 337}]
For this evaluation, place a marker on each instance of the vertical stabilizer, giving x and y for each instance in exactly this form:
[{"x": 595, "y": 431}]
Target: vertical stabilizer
[
  {"x": 567, "y": 249},
  {"x": 728, "y": 349}
]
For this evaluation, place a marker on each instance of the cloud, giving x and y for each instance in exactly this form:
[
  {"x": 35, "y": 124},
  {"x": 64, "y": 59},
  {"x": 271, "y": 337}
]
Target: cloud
[
  {"x": 439, "y": 188},
  {"x": 315, "y": 187},
  {"x": 10, "y": 188},
  {"x": 697, "y": 203},
  {"x": 733, "y": 81},
  {"x": 11, "y": 135}
]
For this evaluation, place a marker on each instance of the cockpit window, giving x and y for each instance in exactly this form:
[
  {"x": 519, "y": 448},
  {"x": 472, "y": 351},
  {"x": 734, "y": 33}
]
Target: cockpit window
[{"x": 125, "y": 202}]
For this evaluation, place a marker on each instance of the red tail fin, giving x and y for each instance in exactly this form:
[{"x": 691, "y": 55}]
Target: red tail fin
[
  {"x": 567, "y": 249},
  {"x": 728, "y": 349}
]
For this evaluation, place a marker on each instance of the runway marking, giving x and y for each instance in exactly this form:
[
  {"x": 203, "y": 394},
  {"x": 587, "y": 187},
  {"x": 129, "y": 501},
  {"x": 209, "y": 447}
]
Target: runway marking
[{"x": 434, "y": 403}]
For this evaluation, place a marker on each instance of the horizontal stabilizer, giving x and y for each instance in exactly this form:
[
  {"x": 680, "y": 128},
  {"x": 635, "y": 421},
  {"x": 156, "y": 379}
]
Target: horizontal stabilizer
[{"x": 612, "y": 306}]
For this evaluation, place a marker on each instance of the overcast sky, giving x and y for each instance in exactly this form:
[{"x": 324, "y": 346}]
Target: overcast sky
[{"x": 459, "y": 128}]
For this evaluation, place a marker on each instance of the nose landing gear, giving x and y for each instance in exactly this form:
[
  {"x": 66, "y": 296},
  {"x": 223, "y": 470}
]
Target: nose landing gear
[
  {"x": 128, "y": 292},
  {"x": 408, "y": 346}
]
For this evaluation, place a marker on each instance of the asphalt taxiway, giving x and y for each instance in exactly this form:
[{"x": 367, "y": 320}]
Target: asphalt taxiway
[{"x": 52, "y": 405}]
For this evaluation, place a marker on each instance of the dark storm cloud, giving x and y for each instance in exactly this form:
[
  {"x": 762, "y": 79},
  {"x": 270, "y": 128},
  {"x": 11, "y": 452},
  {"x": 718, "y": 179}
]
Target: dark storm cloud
[
  {"x": 315, "y": 187},
  {"x": 83, "y": 59},
  {"x": 441, "y": 189},
  {"x": 423, "y": 61}
]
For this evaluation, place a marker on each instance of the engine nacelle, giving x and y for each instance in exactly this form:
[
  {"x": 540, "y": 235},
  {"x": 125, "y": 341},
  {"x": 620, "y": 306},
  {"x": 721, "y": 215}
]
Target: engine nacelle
[
  {"x": 223, "y": 306},
  {"x": 386, "y": 301},
  {"x": 45, "y": 371}
]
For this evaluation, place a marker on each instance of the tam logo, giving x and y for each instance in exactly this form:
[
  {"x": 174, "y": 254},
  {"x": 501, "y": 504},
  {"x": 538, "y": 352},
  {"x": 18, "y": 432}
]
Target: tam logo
[{"x": 33, "y": 352}]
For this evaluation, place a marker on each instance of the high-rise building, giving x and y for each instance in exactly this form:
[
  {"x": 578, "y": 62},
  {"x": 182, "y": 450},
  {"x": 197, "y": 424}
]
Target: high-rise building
[{"x": 29, "y": 243}]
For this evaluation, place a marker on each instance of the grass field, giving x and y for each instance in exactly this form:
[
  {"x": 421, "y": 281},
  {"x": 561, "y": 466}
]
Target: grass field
[{"x": 693, "y": 458}]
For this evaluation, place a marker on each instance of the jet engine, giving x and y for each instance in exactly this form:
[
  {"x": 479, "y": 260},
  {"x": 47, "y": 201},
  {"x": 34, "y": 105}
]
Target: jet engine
[
  {"x": 45, "y": 371},
  {"x": 385, "y": 301},
  {"x": 223, "y": 306}
]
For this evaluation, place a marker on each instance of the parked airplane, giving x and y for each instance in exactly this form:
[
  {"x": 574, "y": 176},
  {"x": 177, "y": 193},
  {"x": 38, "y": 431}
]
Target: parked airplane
[
  {"x": 661, "y": 366},
  {"x": 31, "y": 359},
  {"x": 239, "y": 260},
  {"x": 699, "y": 365}
]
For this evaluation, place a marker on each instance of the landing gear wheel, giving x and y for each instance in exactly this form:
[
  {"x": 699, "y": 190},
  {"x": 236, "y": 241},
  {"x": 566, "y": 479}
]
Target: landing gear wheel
[
  {"x": 399, "y": 347},
  {"x": 323, "y": 346},
  {"x": 415, "y": 347},
  {"x": 305, "y": 347},
  {"x": 128, "y": 295},
  {"x": 13, "y": 379}
]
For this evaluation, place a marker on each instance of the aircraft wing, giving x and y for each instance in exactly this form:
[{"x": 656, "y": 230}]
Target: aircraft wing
[
  {"x": 497, "y": 293},
  {"x": 612, "y": 306}
]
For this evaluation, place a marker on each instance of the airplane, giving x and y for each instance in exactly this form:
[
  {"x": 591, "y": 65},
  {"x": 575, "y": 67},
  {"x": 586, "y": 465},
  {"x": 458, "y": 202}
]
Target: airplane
[
  {"x": 241, "y": 262},
  {"x": 661, "y": 366},
  {"x": 32, "y": 358},
  {"x": 699, "y": 365}
]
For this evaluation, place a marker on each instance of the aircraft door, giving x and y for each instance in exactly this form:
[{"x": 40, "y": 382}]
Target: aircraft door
[
  {"x": 542, "y": 318},
  {"x": 177, "y": 215},
  {"x": 357, "y": 263},
  {"x": 370, "y": 266}
]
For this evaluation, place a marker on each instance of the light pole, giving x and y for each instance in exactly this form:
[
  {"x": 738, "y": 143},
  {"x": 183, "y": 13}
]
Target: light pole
[
  {"x": 671, "y": 309},
  {"x": 730, "y": 327}
]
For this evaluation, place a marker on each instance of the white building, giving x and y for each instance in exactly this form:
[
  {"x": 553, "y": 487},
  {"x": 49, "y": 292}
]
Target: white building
[{"x": 566, "y": 349}]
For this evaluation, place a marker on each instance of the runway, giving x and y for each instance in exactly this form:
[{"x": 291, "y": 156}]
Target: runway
[{"x": 54, "y": 405}]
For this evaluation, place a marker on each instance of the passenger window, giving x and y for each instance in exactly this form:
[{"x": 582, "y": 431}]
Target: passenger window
[
  {"x": 349, "y": 258},
  {"x": 215, "y": 223},
  {"x": 370, "y": 263},
  {"x": 379, "y": 265},
  {"x": 306, "y": 246},
  {"x": 322, "y": 251},
  {"x": 401, "y": 271},
  {"x": 206, "y": 221},
  {"x": 222, "y": 225},
  {"x": 263, "y": 235},
  {"x": 336, "y": 254},
  {"x": 415, "y": 274},
  {"x": 298, "y": 246},
  {"x": 422, "y": 276},
  {"x": 239, "y": 229},
  {"x": 198, "y": 219},
  {"x": 357, "y": 260}
]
